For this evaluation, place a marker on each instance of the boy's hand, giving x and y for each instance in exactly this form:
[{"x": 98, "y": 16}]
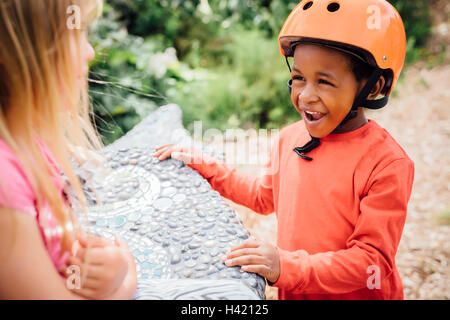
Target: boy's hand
[
  {"x": 256, "y": 256},
  {"x": 187, "y": 155},
  {"x": 103, "y": 266}
]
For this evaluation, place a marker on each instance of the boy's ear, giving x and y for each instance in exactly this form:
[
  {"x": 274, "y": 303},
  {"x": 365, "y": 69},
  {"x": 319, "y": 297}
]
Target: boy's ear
[{"x": 377, "y": 88}]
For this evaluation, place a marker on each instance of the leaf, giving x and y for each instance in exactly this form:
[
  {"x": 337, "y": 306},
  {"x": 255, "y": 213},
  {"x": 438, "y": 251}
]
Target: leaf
[{"x": 119, "y": 110}]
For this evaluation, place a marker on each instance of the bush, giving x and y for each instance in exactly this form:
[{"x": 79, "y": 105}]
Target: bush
[
  {"x": 416, "y": 18},
  {"x": 247, "y": 89},
  {"x": 417, "y": 21},
  {"x": 180, "y": 21},
  {"x": 129, "y": 76}
]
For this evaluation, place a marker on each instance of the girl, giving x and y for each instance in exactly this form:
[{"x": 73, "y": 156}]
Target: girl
[
  {"x": 338, "y": 183},
  {"x": 44, "y": 111}
]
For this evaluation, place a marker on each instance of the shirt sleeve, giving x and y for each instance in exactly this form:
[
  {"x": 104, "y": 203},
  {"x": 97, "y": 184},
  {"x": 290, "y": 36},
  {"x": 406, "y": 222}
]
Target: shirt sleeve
[
  {"x": 255, "y": 193},
  {"x": 15, "y": 190},
  {"x": 372, "y": 246}
]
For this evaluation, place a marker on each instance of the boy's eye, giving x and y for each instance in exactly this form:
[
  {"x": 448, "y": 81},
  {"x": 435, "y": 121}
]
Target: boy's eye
[
  {"x": 298, "y": 78},
  {"x": 322, "y": 81}
]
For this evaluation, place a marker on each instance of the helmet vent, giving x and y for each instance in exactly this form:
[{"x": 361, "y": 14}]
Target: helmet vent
[
  {"x": 333, "y": 7},
  {"x": 307, "y": 5}
]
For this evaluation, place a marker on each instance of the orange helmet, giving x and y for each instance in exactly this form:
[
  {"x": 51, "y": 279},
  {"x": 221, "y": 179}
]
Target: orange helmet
[{"x": 371, "y": 30}]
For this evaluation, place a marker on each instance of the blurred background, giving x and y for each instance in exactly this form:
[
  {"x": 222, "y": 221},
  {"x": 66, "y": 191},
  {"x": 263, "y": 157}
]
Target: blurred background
[{"x": 219, "y": 61}]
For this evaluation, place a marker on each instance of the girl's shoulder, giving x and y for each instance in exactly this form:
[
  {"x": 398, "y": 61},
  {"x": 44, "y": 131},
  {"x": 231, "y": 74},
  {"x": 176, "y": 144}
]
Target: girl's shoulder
[
  {"x": 10, "y": 164},
  {"x": 15, "y": 189}
]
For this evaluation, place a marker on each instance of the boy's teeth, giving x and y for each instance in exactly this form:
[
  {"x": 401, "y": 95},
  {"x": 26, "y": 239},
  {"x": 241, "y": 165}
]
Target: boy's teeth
[{"x": 314, "y": 115}]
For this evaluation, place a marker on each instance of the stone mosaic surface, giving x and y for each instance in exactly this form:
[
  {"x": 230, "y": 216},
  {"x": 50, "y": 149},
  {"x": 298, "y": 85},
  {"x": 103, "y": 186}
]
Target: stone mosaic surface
[{"x": 177, "y": 227}]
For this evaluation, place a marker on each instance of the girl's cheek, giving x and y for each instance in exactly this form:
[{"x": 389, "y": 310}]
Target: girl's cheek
[{"x": 89, "y": 52}]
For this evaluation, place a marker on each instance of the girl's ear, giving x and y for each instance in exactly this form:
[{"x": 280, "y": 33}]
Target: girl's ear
[{"x": 377, "y": 89}]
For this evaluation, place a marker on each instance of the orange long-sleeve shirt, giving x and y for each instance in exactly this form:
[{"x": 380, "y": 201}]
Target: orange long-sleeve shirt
[{"x": 340, "y": 216}]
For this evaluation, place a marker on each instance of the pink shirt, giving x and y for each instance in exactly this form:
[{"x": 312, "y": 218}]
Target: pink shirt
[{"x": 16, "y": 193}]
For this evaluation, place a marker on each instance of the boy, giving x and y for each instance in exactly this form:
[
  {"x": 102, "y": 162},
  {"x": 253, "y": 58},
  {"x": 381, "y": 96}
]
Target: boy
[{"x": 342, "y": 183}]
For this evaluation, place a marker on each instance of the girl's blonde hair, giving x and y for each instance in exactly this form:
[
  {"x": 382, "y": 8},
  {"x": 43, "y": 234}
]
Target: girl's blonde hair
[{"x": 40, "y": 95}]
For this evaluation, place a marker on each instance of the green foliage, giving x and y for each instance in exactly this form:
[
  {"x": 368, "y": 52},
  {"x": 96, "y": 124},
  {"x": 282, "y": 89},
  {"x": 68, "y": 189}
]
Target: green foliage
[
  {"x": 129, "y": 76},
  {"x": 416, "y": 18},
  {"x": 178, "y": 20},
  {"x": 244, "y": 90}
]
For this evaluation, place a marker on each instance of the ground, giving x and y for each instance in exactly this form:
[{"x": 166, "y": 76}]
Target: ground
[{"x": 418, "y": 117}]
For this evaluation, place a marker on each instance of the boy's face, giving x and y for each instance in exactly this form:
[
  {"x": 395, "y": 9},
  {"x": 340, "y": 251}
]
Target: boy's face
[{"x": 323, "y": 87}]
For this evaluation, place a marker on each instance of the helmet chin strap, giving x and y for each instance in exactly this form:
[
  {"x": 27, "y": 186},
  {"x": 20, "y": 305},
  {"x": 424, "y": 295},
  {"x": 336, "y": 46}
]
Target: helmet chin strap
[
  {"x": 361, "y": 98},
  {"x": 314, "y": 143},
  {"x": 360, "y": 101}
]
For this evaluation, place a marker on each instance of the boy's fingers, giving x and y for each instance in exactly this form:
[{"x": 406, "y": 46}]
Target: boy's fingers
[
  {"x": 163, "y": 146},
  {"x": 262, "y": 270},
  {"x": 159, "y": 152},
  {"x": 246, "y": 260},
  {"x": 165, "y": 155},
  {"x": 242, "y": 252},
  {"x": 250, "y": 243}
]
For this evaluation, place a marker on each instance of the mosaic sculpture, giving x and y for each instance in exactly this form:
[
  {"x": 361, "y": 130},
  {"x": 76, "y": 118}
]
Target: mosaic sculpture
[{"x": 177, "y": 227}]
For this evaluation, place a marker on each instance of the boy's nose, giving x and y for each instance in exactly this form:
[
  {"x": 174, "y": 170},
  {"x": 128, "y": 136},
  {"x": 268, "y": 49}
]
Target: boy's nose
[{"x": 308, "y": 95}]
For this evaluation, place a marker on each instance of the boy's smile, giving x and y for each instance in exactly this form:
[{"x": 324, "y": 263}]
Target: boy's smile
[{"x": 323, "y": 88}]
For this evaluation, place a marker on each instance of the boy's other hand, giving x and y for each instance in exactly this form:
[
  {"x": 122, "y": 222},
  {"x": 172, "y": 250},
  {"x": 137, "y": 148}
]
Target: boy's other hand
[{"x": 257, "y": 257}]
